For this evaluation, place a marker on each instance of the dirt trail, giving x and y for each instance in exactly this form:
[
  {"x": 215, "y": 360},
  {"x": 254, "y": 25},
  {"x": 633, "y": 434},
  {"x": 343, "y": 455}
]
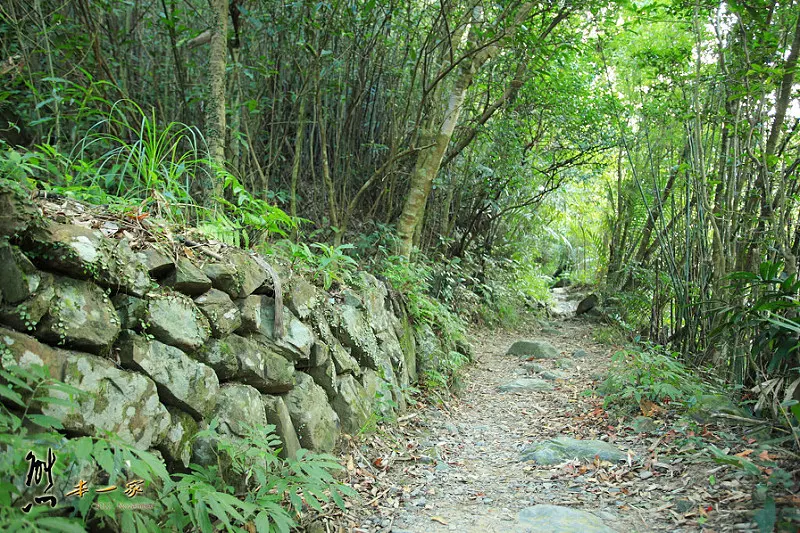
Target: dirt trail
[{"x": 463, "y": 470}]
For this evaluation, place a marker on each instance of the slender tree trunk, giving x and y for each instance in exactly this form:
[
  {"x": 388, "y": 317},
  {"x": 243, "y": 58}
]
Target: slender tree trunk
[
  {"x": 215, "y": 106},
  {"x": 326, "y": 169},
  {"x": 429, "y": 160},
  {"x": 427, "y": 166},
  {"x": 298, "y": 155}
]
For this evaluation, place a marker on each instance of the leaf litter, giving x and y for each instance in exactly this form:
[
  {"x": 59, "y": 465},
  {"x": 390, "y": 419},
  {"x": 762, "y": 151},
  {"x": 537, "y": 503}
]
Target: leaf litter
[{"x": 455, "y": 466}]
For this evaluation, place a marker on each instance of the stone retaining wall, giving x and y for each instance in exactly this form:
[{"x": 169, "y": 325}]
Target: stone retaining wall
[{"x": 163, "y": 346}]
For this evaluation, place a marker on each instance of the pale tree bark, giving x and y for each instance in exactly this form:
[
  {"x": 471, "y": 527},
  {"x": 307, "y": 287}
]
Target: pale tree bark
[
  {"x": 429, "y": 160},
  {"x": 215, "y": 106}
]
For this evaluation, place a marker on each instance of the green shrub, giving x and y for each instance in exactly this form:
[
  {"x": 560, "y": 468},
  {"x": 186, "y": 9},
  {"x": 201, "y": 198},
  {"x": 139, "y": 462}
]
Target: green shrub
[
  {"x": 608, "y": 335},
  {"x": 447, "y": 375},
  {"x": 648, "y": 374}
]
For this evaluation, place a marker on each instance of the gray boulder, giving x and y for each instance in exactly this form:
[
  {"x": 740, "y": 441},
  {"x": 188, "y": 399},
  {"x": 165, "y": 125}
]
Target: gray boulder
[
  {"x": 557, "y": 519},
  {"x": 238, "y": 408},
  {"x": 183, "y": 382},
  {"x": 260, "y": 367},
  {"x": 239, "y": 275},
  {"x": 536, "y": 349},
  {"x": 177, "y": 444},
  {"x": 19, "y": 279},
  {"x": 429, "y": 349},
  {"x": 258, "y": 316},
  {"x": 375, "y": 301},
  {"x": 352, "y": 405},
  {"x": 157, "y": 264},
  {"x": 563, "y": 449},
  {"x": 526, "y": 384},
  {"x": 118, "y": 401},
  {"x": 353, "y": 329},
  {"x": 26, "y": 315},
  {"x": 329, "y": 346},
  {"x": 302, "y": 297},
  {"x": 132, "y": 311},
  {"x": 379, "y": 393},
  {"x": 187, "y": 278},
  {"x": 404, "y": 332},
  {"x": 80, "y": 316},
  {"x": 325, "y": 376},
  {"x": 175, "y": 320},
  {"x": 218, "y": 354},
  {"x": 320, "y": 354},
  {"x": 84, "y": 253},
  {"x": 316, "y": 423},
  {"x": 587, "y": 304},
  {"x": 222, "y": 314},
  {"x": 278, "y": 415}
]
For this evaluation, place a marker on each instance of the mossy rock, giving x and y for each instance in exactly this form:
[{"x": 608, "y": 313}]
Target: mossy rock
[{"x": 535, "y": 349}]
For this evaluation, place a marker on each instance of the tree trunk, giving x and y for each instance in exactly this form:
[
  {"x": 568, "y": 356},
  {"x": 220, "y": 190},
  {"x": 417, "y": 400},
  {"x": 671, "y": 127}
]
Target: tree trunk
[
  {"x": 429, "y": 160},
  {"x": 215, "y": 106},
  {"x": 298, "y": 154}
]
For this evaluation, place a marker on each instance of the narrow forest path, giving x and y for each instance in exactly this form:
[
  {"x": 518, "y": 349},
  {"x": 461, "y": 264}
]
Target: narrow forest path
[{"x": 463, "y": 471}]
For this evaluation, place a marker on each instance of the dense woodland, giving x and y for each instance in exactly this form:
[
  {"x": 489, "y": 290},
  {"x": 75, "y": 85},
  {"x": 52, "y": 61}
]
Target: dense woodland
[{"x": 647, "y": 148}]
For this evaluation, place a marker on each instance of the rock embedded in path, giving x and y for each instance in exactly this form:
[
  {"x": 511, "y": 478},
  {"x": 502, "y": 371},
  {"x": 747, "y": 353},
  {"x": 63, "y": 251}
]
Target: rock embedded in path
[
  {"x": 563, "y": 449},
  {"x": 557, "y": 519},
  {"x": 552, "y": 375},
  {"x": 709, "y": 406},
  {"x": 531, "y": 366},
  {"x": 526, "y": 384},
  {"x": 580, "y": 354},
  {"x": 536, "y": 349},
  {"x": 565, "y": 363}
]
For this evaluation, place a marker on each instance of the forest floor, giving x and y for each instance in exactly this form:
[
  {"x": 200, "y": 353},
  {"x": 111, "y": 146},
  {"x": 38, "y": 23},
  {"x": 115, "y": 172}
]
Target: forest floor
[{"x": 456, "y": 466}]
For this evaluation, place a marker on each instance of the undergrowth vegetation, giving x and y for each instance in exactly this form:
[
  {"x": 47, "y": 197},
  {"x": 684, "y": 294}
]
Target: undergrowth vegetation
[
  {"x": 648, "y": 379},
  {"x": 246, "y": 488},
  {"x": 650, "y": 373}
]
